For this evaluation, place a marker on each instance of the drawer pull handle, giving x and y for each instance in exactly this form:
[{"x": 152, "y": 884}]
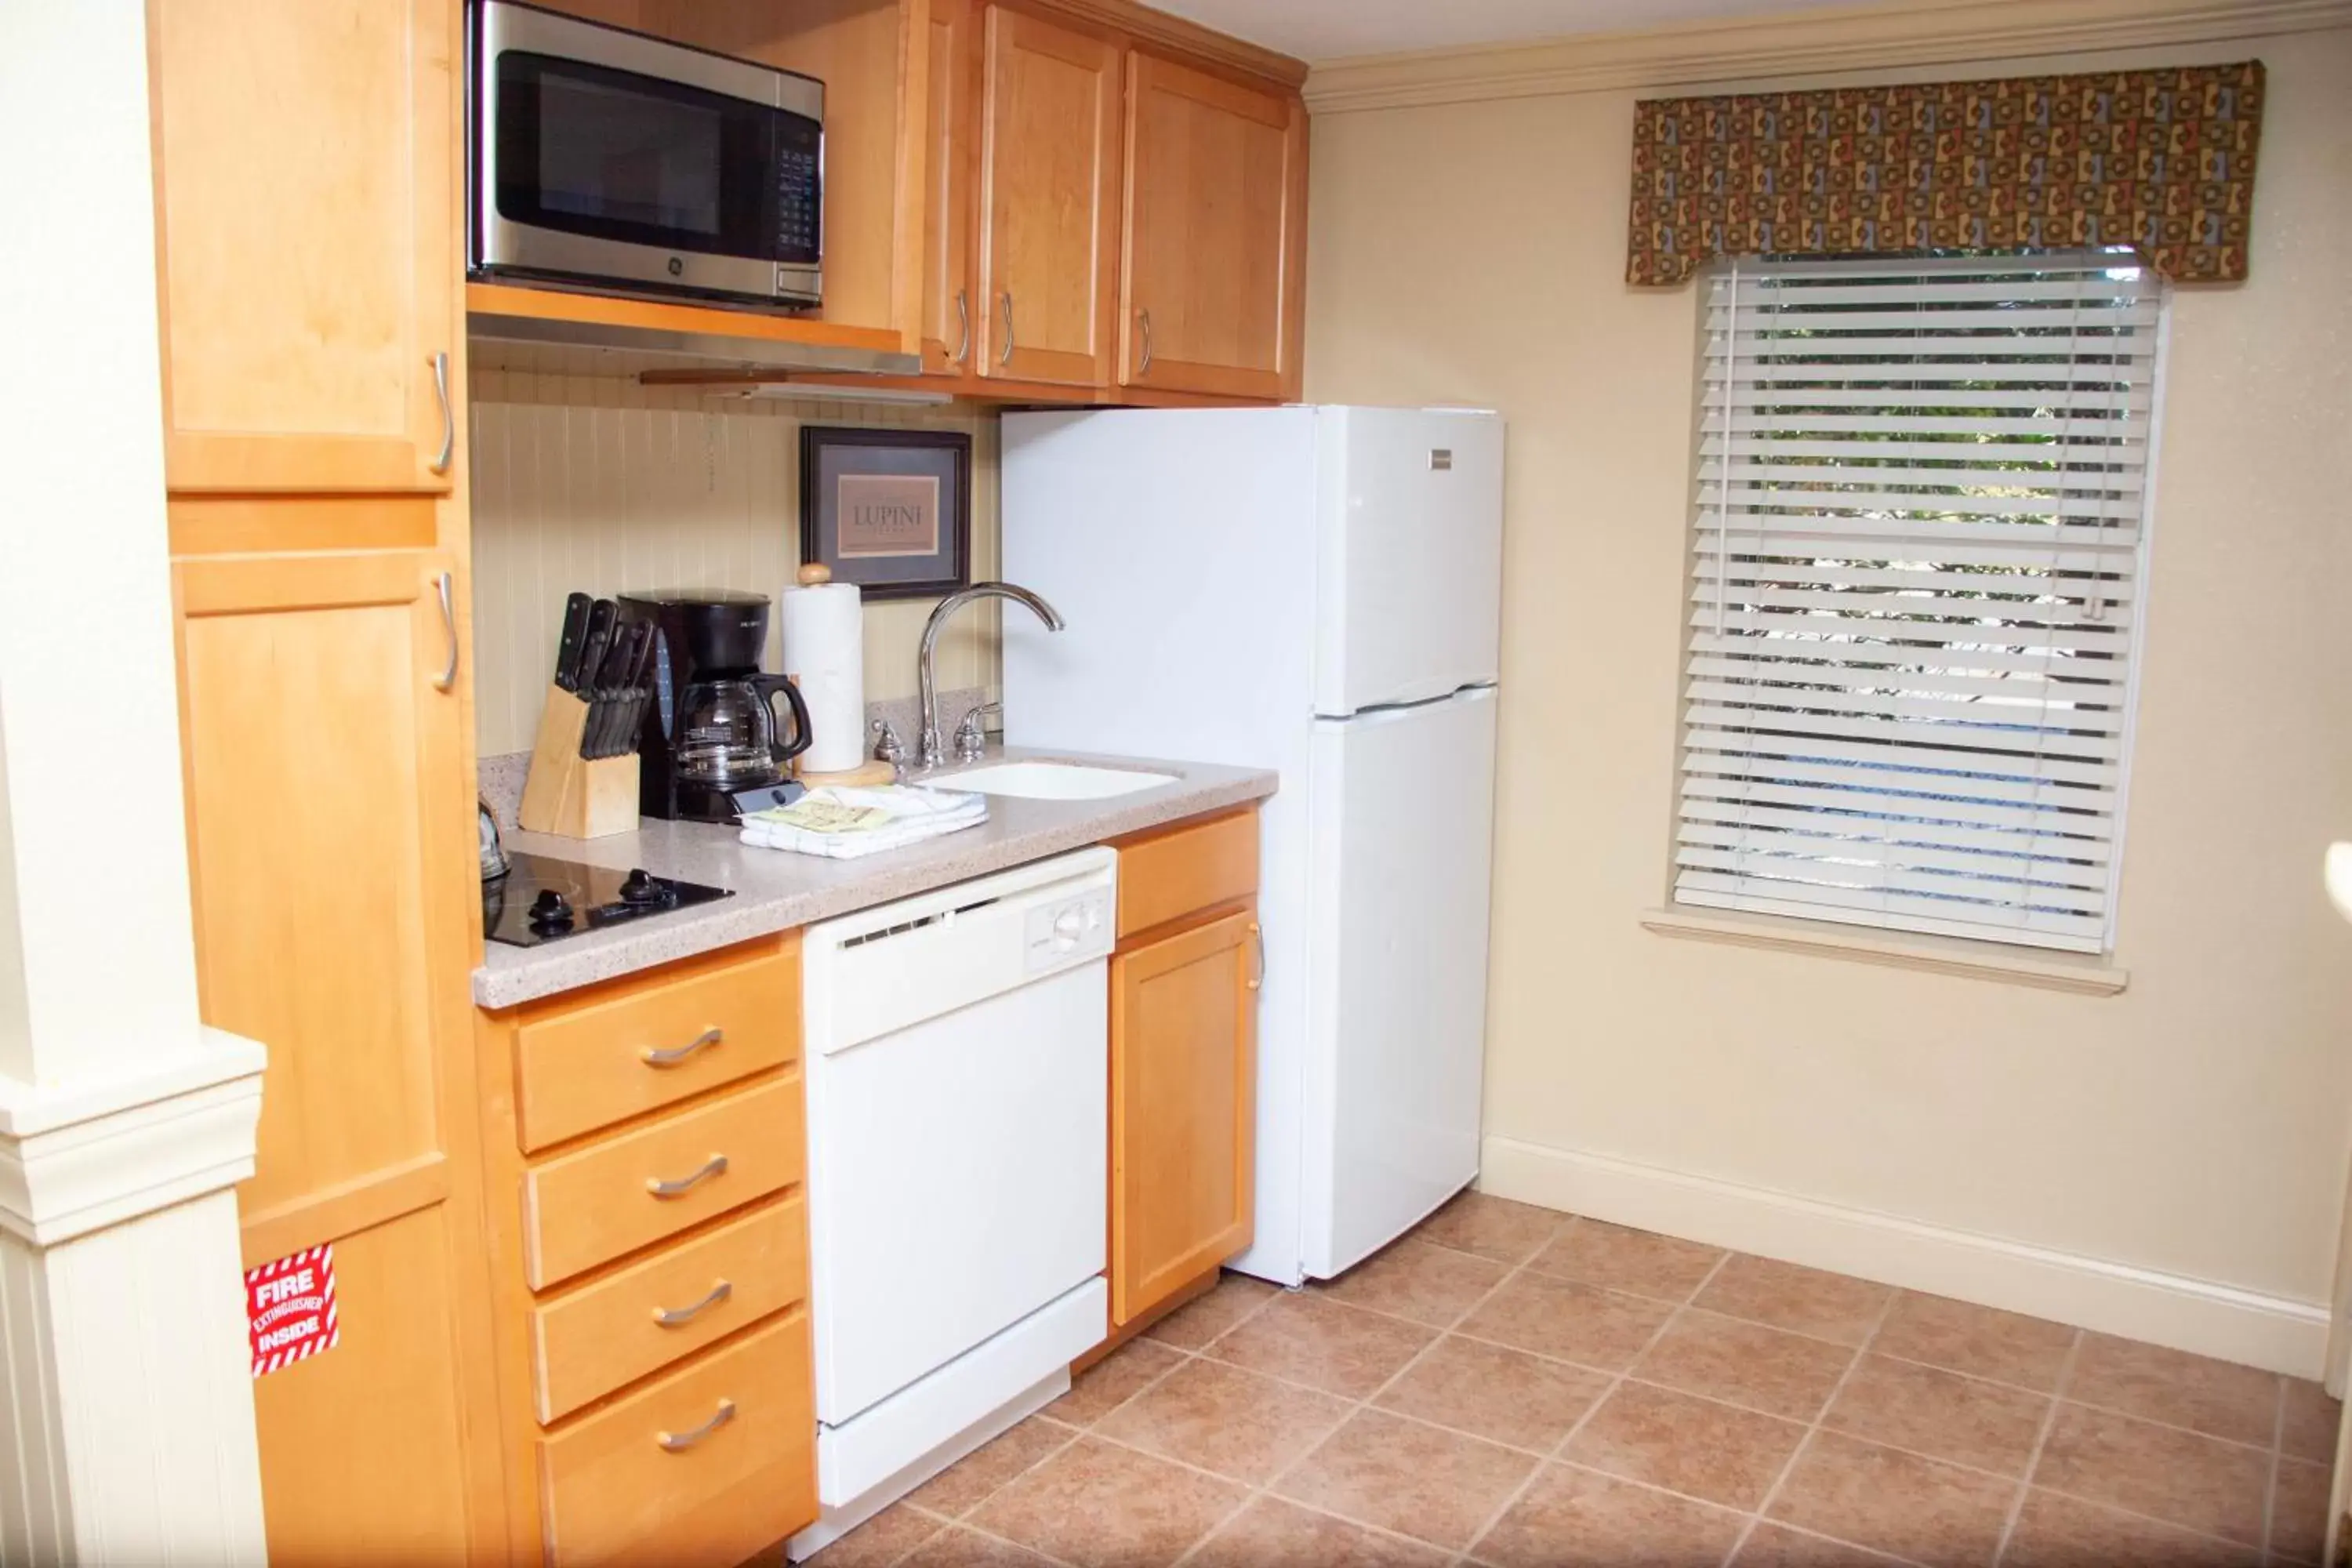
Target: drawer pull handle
[
  {"x": 680, "y": 1442},
  {"x": 676, "y": 1054},
  {"x": 717, "y": 1166},
  {"x": 1257, "y": 951},
  {"x": 678, "y": 1317}
]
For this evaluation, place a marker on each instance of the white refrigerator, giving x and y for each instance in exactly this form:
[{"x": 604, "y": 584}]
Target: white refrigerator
[{"x": 1314, "y": 590}]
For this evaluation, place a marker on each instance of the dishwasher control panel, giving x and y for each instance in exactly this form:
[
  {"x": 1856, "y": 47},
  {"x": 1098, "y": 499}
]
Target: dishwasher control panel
[{"x": 1079, "y": 926}]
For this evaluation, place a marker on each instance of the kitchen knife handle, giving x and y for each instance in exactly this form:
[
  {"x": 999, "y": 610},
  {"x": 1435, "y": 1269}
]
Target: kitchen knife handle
[{"x": 445, "y": 587}]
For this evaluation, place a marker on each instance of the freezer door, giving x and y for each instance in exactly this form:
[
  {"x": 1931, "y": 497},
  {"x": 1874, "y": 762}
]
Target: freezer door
[
  {"x": 1408, "y": 555},
  {"x": 1402, "y": 817}
]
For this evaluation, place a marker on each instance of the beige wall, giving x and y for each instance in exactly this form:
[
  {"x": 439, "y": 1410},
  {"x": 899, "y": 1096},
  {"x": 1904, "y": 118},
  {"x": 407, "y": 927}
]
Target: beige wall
[
  {"x": 598, "y": 484},
  {"x": 2195, "y": 1125}
]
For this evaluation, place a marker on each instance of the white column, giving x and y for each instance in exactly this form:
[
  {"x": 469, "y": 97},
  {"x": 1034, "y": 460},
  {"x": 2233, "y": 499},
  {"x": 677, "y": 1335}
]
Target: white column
[{"x": 126, "y": 1402}]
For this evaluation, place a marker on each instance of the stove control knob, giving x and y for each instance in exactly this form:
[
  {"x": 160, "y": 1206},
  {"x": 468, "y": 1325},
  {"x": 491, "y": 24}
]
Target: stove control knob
[
  {"x": 551, "y": 911},
  {"x": 637, "y": 887}
]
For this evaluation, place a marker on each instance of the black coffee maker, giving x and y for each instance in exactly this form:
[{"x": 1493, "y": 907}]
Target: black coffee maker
[{"x": 712, "y": 748}]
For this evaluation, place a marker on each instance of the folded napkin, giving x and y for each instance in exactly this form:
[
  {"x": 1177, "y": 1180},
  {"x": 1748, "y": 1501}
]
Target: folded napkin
[{"x": 844, "y": 824}]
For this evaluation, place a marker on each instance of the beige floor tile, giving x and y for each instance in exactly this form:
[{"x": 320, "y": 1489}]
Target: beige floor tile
[
  {"x": 956, "y": 1547},
  {"x": 963, "y": 1486},
  {"x": 1492, "y": 1227},
  {"x": 1105, "y": 1507},
  {"x": 1623, "y": 1258},
  {"x": 1575, "y": 1322},
  {"x": 1801, "y": 1301},
  {"x": 1384, "y": 1470},
  {"x": 2058, "y": 1531},
  {"x": 1506, "y": 1394},
  {"x": 2199, "y": 1483},
  {"x": 1197, "y": 1321},
  {"x": 1746, "y": 1363},
  {"x": 2309, "y": 1423},
  {"x": 1114, "y": 1380},
  {"x": 1979, "y": 1340},
  {"x": 1686, "y": 1444},
  {"x": 1271, "y": 1533},
  {"x": 2218, "y": 1398},
  {"x": 1940, "y": 1413},
  {"x": 1574, "y": 1519},
  {"x": 880, "y": 1540},
  {"x": 1770, "y": 1545},
  {"x": 2299, "y": 1512},
  {"x": 1339, "y": 1349},
  {"x": 1221, "y": 1418},
  {"x": 1920, "y": 1509},
  {"x": 1432, "y": 1285}
]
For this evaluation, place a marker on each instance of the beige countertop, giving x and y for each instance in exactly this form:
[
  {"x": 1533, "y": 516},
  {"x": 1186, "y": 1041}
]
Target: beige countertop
[{"x": 776, "y": 890}]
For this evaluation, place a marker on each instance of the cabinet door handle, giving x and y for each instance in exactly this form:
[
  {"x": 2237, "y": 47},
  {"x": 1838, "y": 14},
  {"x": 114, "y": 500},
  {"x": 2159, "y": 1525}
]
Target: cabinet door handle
[
  {"x": 680, "y": 1442},
  {"x": 1006, "y": 357},
  {"x": 448, "y": 415},
  {"x": 676, "y": 1054},
  {"x": 444, "y": 587},
  {"x": 678, "y": 1317},
  {"x": 1257, "y": 951},
  {"x": 963, "y": 320},
  {"x": 715, "y": 1166},
  {"x": 1145, "y": 368}
]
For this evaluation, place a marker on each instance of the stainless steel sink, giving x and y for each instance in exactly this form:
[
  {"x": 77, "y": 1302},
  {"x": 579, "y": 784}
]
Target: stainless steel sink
[{"x": 1052, "y": 780}]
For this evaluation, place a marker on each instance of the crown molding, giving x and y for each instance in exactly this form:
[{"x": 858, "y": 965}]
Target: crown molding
[
  {"x": 1809, "y": 43},
  {"x": 1142, "y": 24}
]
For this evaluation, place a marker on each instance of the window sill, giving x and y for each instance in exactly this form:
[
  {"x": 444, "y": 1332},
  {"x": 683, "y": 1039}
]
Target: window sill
[{"x": 2083, "y": 974}]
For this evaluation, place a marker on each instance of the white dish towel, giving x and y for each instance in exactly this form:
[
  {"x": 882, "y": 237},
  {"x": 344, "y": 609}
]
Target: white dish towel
[{"x": 893, "y": 816}]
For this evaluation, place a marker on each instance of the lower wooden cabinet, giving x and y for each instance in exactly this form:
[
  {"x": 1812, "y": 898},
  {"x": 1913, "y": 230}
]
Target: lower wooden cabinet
[
  {"x": 649, "y": 1256},
  {"x": 1183, "y": 1068}
]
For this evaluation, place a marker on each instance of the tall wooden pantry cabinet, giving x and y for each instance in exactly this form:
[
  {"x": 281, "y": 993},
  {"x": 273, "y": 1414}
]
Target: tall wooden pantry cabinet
[{"x": 308, "y": 228}]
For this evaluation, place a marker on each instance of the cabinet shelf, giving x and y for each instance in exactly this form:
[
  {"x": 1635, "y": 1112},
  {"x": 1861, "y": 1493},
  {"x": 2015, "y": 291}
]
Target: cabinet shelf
[{"x": 748, "y": 340}]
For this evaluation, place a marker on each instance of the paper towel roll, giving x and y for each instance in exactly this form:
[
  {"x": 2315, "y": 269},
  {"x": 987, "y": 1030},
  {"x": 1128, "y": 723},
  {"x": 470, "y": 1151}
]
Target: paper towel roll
[{"x": 824, "y": 652}]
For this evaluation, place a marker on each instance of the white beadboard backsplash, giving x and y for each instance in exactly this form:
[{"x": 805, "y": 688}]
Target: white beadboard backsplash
[{"x": 598, "y": 484}]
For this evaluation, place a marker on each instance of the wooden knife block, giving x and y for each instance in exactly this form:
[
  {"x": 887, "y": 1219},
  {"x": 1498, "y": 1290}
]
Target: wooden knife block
[{"x": 567, "y": 793}]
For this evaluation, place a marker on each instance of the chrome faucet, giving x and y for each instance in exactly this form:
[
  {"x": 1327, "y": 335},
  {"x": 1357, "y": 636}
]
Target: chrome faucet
[{"x": 929, "y": 752}]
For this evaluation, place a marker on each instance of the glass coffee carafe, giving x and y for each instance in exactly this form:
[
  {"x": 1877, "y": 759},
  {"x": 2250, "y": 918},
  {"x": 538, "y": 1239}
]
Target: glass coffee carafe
[{"x": 726, "y": 732}]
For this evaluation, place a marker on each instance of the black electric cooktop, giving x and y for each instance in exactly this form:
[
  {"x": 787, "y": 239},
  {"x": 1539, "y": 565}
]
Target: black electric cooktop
[{"x": 543, "y": 900}]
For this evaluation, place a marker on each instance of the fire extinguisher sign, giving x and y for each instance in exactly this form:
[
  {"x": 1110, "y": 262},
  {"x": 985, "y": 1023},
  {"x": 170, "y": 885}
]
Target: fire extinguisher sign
[{"x": 290, "y": 1308}]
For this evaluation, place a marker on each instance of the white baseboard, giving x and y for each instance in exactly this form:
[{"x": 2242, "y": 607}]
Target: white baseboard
[{"x": 2245, "y": 1326}]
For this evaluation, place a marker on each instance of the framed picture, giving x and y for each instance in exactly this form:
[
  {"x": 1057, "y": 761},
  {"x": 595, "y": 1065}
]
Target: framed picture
[{"x": 889, "y": 510}]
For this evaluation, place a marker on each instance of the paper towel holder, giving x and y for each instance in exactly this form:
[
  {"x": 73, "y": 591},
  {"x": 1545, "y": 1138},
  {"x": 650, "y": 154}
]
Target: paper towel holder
[{"x": 816, "y": 574}]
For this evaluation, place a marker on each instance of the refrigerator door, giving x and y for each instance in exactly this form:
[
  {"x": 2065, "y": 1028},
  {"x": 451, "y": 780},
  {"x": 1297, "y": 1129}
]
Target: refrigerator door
[
  {"x": 1408, "y": 555},
  {"x": 1400, "y": 824}
]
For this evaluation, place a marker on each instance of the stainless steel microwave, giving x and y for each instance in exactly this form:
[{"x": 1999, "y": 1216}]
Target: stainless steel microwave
[{"x": 613, "y": 160}]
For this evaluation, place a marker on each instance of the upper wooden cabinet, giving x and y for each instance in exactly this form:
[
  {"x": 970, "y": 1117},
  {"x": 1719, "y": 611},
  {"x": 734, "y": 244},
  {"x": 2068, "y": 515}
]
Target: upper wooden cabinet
[
  {"x": 1214, "y": 239},
  {"x": 953, "y": 89},
  {"x": 306, "y": 167},
  {"x": 1048, "y": 188}
]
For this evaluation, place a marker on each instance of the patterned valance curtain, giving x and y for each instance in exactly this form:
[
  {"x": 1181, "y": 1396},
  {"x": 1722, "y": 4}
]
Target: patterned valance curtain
[{"x": 2162, "y": 160}]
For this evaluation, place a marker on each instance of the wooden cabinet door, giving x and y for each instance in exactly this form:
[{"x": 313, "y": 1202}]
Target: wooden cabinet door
[
  {"x": 1184, "y": 1015},
  {"x": 1049, "y": 173},
  {"x": 307, "y": 173},
  {"x": 1216, "y": 238},
  {"x": 337, "y": 915},
  {"x": 949, "y": 320}
]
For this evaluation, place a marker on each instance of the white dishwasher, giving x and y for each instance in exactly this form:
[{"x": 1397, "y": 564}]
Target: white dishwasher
[{"x": 958, "y": 1143}]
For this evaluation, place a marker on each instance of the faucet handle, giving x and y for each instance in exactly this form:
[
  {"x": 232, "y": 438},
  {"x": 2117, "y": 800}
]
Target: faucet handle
[
  {"x": 971, "y": 736},
  {"x": 887, "y": 747}
]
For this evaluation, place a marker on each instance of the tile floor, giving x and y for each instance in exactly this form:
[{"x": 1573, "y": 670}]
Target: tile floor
[{"x": 1515, "y": 1387}]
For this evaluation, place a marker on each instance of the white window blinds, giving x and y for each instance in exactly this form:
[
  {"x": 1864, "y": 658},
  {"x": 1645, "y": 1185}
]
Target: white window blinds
[{"x": 1916, "y": 585}]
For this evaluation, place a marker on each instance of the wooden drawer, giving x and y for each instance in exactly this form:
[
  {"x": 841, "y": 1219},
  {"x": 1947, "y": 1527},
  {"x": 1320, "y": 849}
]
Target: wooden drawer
[
  {"x": 590, "y": 1207},
  {"x": 653, "y": 1044},
  {"x": 1173, "y": 871},
  {"x": 616, "y": 1331},
  {"x": 611, "y": 1491}
]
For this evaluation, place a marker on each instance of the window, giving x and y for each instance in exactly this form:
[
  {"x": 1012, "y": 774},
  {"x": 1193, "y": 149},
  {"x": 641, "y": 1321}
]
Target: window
[{"x": 1916, "y": 593}]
